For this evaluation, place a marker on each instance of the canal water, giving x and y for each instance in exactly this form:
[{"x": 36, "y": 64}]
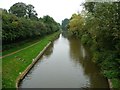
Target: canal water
[{"x": 65, "y": 64}]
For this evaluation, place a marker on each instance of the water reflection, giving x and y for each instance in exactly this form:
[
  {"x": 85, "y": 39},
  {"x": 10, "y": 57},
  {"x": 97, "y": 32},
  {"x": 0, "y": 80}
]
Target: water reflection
[
  {"x": 49, "y": 51},
  {"x": 83, "y": 52},
  {"x": 81, "y": 56},
  {"x": 75, "y": 54},
  {"x": 64, "y": 34},
  {"x": 65, "y": 64}
]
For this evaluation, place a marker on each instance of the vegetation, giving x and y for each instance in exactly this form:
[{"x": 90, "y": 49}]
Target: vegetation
[
  {"x": 21, "y": 22},
  {"x": 20, "y": 45},
  {"x": 20, "y": 60},
  {"x": 24, "y": 32},
  {"x": 64, "y": 24},
  {"x": 98, "y": 26}
]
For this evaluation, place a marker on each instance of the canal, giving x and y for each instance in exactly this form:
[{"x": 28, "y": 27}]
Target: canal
[{"x": 65, "y": 64}]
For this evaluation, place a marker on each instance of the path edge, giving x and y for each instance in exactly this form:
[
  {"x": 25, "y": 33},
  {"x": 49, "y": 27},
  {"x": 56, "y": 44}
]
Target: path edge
[
  {"x": 110, "y": 84},
  {"x": 24, "y": 73}
]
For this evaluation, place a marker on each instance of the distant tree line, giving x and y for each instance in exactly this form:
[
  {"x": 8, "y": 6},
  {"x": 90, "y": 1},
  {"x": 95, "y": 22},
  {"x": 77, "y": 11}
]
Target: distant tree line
[
  {"x": 98, "y": 27},
  {"x": 64, "y": 25},
  {"x": 21, "y": 22}
]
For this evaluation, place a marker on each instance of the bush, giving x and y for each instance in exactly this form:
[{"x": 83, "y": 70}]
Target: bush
[
  {"x": 15, "y": 29},
  {"x": 86, "y": 40},
  {"x": 97, "y": 57}
]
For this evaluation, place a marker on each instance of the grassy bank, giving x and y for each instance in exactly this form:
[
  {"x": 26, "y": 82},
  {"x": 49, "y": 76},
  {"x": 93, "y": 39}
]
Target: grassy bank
[
  {"x": 115, "y": 83},
  {"x": 19, "y": 45},
  {"x": 16, "y": 63}
]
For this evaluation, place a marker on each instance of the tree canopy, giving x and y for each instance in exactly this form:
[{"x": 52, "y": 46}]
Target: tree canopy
[
  {"x": 65, "y": 24},
  {"x": 99, "y": 28},
  {"x": 19, "y": 9},
  {"x": 21, "y": 22},
  {"x": 22, "y": 10}
]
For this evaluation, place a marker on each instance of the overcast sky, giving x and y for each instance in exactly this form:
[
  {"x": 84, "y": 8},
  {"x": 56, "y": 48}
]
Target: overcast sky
[{"x": 58, "y": 9}]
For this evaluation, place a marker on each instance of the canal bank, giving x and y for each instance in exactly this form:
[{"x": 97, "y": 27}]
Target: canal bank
[
  {"x": 65, "y": 64},
  {"x": 34, "y": 61},
  {"x": 22, "y": 75},
  {"x": 15, "y": 64}
]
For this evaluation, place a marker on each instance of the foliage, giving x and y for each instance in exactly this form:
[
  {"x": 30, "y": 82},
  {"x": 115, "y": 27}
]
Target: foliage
[
  {"x": 65, "y": 23},
  {"x": 100, "y": 30},
  {"x": 76, "y": 24},
  {"x": 31, "y": 13},
  {"x": 19, "y": 9},
  {"x": 18, "y": 25},
  {"x": 116, "y": 83},
  {"x": 85, "y": 39}
]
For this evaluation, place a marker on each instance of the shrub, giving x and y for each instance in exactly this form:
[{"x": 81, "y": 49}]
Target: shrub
[{"x": 86, "y": 40}]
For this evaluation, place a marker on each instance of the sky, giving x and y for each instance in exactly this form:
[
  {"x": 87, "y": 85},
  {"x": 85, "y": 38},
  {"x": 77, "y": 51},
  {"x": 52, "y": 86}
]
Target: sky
[{"x": 58, "y": 9}]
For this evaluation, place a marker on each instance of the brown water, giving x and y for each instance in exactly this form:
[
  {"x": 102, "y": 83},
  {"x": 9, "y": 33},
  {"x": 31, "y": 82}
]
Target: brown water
[{"x": 65, "y": 64}]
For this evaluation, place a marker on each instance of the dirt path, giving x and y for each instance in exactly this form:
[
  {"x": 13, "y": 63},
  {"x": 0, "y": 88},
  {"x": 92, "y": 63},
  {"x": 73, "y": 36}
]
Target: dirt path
[{"x": 19, "y": 50}]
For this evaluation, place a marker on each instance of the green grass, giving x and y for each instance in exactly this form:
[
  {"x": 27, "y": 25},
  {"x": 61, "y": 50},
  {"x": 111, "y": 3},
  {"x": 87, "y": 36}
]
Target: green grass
[
  {"x": 14, "y": 64},
  {"x": 16, "y": 46},
  {"x": 116, "y": 83}
]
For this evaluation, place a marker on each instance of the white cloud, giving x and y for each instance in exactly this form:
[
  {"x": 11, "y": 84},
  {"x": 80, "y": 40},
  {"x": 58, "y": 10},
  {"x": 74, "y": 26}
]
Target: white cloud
[{"x": 58, "y": 9}]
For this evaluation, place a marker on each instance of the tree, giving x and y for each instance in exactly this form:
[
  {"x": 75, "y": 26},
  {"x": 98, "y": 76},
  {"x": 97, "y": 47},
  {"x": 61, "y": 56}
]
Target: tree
[
  {"x": 16, "y": 26},
  {"x": 15, "y": 29},
  {"x": 50, "y": 23},
  {"x": 76, "y": 24},
  {"x": 31, "y": 12},
  {"x": 99, "y": 29},
  {"x": 19, "y": 9},
  {"x": 65, "y": 23}
]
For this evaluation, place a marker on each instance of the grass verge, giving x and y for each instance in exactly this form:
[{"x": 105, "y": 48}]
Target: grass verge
[
  {"x": 20, "y": 45},
  {"x": 115, "y": 83},
  {"x": 14, "y": 64}
]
